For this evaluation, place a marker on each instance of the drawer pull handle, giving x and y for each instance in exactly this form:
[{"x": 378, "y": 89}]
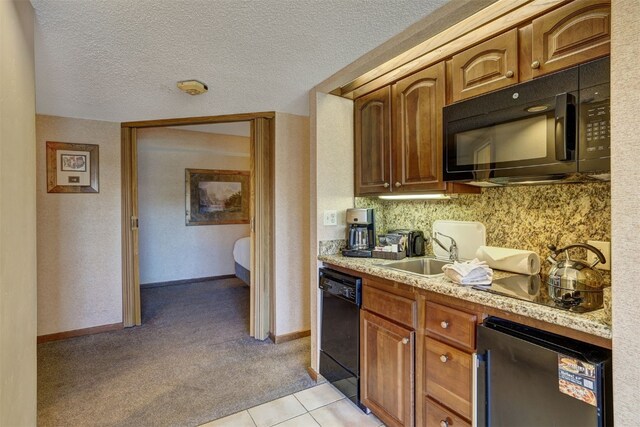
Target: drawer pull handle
[
  {"x": 535, "y": 65},
  {"x": 509, "y": 74},
  {"x": 444, "y": 324},
  {"x": 444, "y": 423},
  {"x": 444, "y": 358},
  {"x": 405, "y": 341},
  {"x": 386, "y": 185}
]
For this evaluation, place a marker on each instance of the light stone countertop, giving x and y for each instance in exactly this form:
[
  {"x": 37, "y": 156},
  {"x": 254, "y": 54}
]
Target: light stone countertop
[{"x": 596, "y": 323}]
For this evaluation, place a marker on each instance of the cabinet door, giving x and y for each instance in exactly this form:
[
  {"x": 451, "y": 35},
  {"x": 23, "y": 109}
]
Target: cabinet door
[
  {"x": 488, "y": 66},
  {"x": 387, "y": 369},
  {"x": 417, "y": 146},
  {"x": 373, "y": 142},
  {"x": 570, "y": 35}
]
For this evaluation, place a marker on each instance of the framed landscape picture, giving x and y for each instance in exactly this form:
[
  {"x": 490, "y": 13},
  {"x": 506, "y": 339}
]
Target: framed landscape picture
[
  {"x": 72, "y": 168},
  {"x": 217, "y": 197}
]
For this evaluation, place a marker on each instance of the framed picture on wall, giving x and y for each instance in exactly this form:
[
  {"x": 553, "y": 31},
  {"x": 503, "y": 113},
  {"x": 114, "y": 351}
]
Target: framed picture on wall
[
  {"x": 72, "y": 168},
  {"x": 217, "y": 197}
]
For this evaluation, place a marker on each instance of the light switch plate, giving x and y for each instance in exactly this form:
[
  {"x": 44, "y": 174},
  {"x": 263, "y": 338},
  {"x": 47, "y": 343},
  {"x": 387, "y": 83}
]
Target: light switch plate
[
  {"x": 330, "y": 217},
  {"x": 605, "y": 248}
]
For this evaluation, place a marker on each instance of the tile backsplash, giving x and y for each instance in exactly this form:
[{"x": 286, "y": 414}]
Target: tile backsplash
[{"x": 522, "y": 217}]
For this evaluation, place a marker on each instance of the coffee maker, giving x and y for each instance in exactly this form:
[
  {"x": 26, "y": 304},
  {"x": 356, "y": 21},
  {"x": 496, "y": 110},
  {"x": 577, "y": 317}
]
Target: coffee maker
[{"x": 361, "y": 233}]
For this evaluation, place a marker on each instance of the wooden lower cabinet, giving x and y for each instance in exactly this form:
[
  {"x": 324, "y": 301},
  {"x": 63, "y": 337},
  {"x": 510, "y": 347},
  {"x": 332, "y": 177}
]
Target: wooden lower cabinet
[
  {"x": 437, "y": 416},
  {"x": 448, "y": 376},
  {"x": 445, "y": 357},
  {"x": 387, "y": 369}
]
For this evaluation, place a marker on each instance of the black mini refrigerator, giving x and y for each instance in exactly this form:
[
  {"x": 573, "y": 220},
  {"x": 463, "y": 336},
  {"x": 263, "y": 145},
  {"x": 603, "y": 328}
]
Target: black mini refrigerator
[{"x": 528, "y": 377}]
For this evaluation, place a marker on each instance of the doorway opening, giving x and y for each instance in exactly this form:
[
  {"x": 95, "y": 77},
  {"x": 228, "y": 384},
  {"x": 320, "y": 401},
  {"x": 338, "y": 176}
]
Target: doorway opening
[{"x": 260, "y": 214}]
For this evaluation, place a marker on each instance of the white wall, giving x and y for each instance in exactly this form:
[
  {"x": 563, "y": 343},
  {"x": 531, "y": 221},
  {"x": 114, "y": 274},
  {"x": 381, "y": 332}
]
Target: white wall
[
  {"x": 17, "y": 216},
  {"x": 170, "y": 250},
  {"x": 334, "y": 150},
  {"x": 625, "y": 208},
  {"x": 291, "y": 224},
  {"x": 332, "y": 184},
  {"x": 79, "y": 240}
]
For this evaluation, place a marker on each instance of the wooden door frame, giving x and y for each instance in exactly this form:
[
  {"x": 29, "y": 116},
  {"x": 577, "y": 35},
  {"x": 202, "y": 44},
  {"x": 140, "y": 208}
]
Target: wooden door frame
[{"x": 262, "y": 198}]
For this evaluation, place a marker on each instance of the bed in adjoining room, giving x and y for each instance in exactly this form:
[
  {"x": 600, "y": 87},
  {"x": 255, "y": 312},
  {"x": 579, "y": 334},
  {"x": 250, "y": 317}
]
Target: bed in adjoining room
[{"x": 242, "y": 258}]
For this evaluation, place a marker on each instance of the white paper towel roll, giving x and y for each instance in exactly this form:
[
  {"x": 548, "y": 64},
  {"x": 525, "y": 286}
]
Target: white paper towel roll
[{"x": 506, "y": 259}]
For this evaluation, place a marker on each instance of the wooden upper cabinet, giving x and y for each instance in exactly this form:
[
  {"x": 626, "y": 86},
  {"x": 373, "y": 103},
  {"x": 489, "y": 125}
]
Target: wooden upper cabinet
[
  {"x": 488, "y": 66},
  {"x": 372, "y": 142},
  {"x": 417, "y": 147},
  {"x": 570, "y": 35}
]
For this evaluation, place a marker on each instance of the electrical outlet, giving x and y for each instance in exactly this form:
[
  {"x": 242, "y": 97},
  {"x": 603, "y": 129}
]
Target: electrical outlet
[
  {"x": 605, "y": 248},
  {"x": 330, "y": 217}
]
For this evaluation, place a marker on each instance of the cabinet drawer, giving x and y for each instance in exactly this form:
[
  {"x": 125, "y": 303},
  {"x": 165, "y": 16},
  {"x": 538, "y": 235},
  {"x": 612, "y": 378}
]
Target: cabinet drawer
[
  {"x": 448, "y": 376},
  {"x": 453, "y": 325},
  {"x": 394, "y": 307},
  {"x": 436, "y": 416}
]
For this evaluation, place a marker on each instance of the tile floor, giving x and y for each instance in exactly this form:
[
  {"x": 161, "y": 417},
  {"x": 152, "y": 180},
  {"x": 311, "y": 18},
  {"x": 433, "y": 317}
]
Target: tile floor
[{"x": 322, "y": 405}]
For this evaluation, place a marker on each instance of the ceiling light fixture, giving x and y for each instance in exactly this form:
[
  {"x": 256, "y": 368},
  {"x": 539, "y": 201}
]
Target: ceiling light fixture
[
  {"x": 192, "y": 87},
  {"x": 418, "y": 197}
]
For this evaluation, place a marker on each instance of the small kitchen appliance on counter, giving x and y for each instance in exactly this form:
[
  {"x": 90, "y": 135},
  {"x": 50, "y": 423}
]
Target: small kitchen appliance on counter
[
  {"x": 574, "y": 283},
  {"x": 361, "y": 233},
  {"x": 415, "y": 244}
]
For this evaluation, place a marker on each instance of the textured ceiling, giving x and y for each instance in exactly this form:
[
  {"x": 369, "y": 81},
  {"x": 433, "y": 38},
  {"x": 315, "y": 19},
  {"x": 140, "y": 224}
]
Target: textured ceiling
[{"x": 119, "y": 60}]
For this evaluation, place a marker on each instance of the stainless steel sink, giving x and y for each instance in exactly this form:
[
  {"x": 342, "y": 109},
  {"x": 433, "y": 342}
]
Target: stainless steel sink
[{"x": 422, "y": 266}]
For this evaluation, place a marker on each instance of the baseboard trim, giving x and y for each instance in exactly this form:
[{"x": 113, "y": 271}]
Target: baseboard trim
[
  {"x": 312, "y": 373},
  {"x": 185, "y": 281},
  {"x": 80, "y": 332},
  {"x": 279, "y": 339}
]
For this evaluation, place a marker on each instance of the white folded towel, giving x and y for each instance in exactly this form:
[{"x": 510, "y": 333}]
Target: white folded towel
[{"x": 470, "y": 273}]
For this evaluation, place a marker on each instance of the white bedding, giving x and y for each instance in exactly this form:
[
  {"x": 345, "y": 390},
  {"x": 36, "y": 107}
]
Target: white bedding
[{"x": 242, "y": 252}]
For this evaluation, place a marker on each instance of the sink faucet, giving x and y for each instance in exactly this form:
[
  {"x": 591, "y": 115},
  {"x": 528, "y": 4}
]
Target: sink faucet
[{"x": 453, "y": 249}]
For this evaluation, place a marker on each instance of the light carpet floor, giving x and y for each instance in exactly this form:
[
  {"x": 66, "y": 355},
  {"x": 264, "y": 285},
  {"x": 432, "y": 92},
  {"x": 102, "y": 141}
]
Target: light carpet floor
[{"x": 190, "y": 362}]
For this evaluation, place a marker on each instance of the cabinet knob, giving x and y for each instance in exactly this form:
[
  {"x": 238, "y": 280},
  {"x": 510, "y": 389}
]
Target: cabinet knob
[
  {"x": 509, "y": 74},
  {"x": 444, "y": 324},
  {"x": 444, "y": 423},
  {"x": 386, "y": 185},
  {"x": 444, "y": 358},
  {"x": 535, "y": 65},
  {"x": 397, "y": 184},
  {"x": 405, "y": 341}
]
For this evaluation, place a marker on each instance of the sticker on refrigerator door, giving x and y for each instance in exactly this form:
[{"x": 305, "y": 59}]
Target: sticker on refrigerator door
[{"x": 577, "y": 379}]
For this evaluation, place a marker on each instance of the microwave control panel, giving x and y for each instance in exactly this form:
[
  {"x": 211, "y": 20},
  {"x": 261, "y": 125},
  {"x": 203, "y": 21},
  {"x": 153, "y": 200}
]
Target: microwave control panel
[
  {"x": 595, "y": 123},
  {"x": 598, "y": 127}
]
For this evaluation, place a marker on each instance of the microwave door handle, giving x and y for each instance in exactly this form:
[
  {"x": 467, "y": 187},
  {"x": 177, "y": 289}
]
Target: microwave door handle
[{"x": 565, "y": 126}]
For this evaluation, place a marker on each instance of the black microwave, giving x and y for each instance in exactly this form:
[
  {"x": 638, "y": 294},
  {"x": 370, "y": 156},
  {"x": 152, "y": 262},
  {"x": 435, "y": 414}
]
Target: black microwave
[{"x": 552, "y": 128}]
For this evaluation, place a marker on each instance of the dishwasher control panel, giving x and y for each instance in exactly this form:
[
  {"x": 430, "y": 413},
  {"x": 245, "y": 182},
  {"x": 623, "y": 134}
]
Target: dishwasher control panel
[{"x": 341, "y": 285}]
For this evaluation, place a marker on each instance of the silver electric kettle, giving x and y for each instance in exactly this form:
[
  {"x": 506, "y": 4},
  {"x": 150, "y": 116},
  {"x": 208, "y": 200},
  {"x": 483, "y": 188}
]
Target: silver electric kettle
[{"x": 574, "y": 283}]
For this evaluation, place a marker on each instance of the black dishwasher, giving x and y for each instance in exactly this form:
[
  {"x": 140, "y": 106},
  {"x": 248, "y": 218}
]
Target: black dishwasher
[{"x": 340, "y": 332}]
